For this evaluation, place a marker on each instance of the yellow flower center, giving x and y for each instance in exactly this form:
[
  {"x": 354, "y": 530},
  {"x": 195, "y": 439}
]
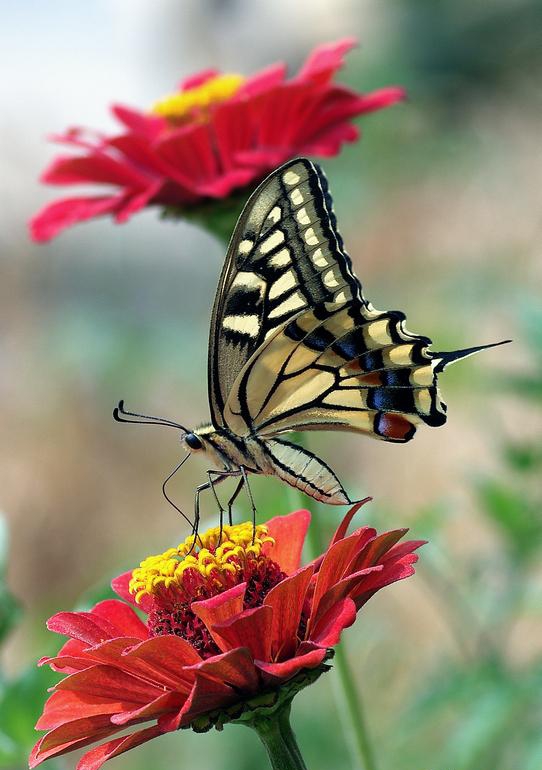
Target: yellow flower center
[
  {"x": 212, "y": 558},
  {"x": 196, "y": 102}
]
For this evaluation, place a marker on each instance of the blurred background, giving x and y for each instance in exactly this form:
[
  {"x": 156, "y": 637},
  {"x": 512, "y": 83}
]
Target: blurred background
[{"x": 439, "y": 205}]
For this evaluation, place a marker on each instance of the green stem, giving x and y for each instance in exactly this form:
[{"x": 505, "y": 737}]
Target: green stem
[
  {"x": 347, "y": 697},
  {"x": 276, "y": 734}
]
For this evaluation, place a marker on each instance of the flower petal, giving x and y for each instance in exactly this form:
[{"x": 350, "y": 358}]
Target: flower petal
[
  {"x": 120, "y": 586},
  {"x": 327, "y": 631},
  {"x": 390, "y": 573},
  {"x": 166, "y": 660},
  {"x": 220, "y": 608},
  {"x": 110, "y": 683},
  {"x": 65, "y": 706},
  {"x": 234, "y": 668},
  {"x": 70, "y": 736},
  {"x": 122, "y": 618},
  {"x": 289, "y": 534},
  {"x": 83, "y": 626},
  {"x": 286, "y": 600},
  {"x": 342, "y": 529},
  {"x": 163, "y": 704},
  {"x": 206, "y": 694},
  {"x": 139, "y": 122},
  {"x": 276, "y": 672},
  {"x": 95, "y": 758},
  {"x": 251, "y": 629},
  {"x": 95, "y": 167},
  {"x": 324, "y": 61},
  {"x": 57, "y": 216},
  {"x": 262, "y": 81}
]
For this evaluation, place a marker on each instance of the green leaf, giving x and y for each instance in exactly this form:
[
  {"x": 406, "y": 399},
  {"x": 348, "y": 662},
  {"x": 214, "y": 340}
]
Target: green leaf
[{"x": 10, "y": 610}]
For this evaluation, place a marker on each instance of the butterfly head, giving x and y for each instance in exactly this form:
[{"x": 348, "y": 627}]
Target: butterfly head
[{"x": 192, "y": 441}]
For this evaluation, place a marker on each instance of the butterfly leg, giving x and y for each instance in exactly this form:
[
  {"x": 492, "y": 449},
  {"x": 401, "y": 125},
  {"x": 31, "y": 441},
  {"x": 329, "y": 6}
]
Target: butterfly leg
[
  {"x": 215, "y": 477},
  {"x": 232, "y": 499},
  {"x": 249, "y": 492}
]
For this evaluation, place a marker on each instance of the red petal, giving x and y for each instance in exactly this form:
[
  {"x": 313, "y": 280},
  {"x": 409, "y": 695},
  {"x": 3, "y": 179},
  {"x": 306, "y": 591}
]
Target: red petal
[
  {"x": 373, "y": 552},
  {"x": 262, "y": 81},
  {"x": 327, "y": 632},
  {"x": 335, "y": 565},
  {"x": 83, "y": 626},
  {"x": 251, "y": 629},
  {"x": 198, "y": 79},
  {"x": 325, "y": 60},
  {"x": 97, "y": 167},
  {"x": 122, "y": 618},
  {"x": 345, "y": 587},
  {"x": 70, "y": 736},
  {"x": 139, "y": 122},
  {"x": 398, "y": 551},
  {"x": 287, "y": 669},
  {"x": 289, "y": 535},
  {"x": 342, "y": 529},
  {"x": 390, "y": 573},
  {"x": 207, "y": 694},
  {"x": 234, "y": 668},
  {"x": 164, "y": 704},
  {"x": 120, "y": 587},
  {"x": 111, "y": 684},
  {"x": 165, "y": 659},
  {"x": 135, "y": 202},
  {"x": 65, "y": 706},
  {"x": 286, "y": 600},
  {"x": 57, "y": 216},
  {"x": 95, "y": 758},
  {"x": 219, "y": 609}
]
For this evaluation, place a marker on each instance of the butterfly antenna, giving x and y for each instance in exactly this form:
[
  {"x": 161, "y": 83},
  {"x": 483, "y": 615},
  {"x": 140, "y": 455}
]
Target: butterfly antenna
[
  {"x": 455, "y": 355},
  {"x": 120, "y": 414}
]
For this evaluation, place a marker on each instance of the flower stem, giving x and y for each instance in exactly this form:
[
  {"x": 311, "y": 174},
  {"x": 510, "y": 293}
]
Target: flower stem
[
  {"x": 347, "y": 697},
  {"x": 276, "y": 734}
]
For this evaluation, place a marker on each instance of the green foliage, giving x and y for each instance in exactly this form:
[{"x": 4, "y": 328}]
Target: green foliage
[{"x": 9, "y": 607}]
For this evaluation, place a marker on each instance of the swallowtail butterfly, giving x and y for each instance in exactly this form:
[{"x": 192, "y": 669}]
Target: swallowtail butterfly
[{"x": 295, "y": 346}]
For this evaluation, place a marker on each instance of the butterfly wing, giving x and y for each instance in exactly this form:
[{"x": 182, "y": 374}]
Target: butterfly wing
[{"x": 285, "y": 257}]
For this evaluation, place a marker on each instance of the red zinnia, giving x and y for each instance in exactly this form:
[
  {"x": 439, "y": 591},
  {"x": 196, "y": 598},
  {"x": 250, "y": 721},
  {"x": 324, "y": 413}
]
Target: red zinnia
[
  {"x": 219, "y": 132},
  {"x": 224, "y": 623}
]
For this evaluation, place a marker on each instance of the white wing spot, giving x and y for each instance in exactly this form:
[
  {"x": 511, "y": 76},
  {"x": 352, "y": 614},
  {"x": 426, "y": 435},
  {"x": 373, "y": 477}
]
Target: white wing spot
[
  {"x": 311, "y": 237},
  {"x": 248, "y": 280},
  {"x": 302, "y": 217},
  {"x": 274, "y": 215},
  {"x": 318, "y": 258},
  {"x": 281, "y": 258},
  {"x": 245, "y": 246},
  {"x": 291, "y": 178},
  {"x": 295, "y": 302},
  {"x": 243, "y": 324},
  {"x": 274, "y": 240},
  {"x": 296, "y": 196},
  {"x": 283, "y": 284},
  {"x": 330, "y": 279}
]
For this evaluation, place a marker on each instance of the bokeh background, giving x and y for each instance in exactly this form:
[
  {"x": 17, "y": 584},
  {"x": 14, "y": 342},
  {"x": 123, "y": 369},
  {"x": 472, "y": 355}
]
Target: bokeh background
[{"x": 440, "y": 209}]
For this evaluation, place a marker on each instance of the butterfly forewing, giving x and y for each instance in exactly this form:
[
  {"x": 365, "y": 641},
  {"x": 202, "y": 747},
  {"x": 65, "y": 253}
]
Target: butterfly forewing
[{"x": 285, "y": 257}]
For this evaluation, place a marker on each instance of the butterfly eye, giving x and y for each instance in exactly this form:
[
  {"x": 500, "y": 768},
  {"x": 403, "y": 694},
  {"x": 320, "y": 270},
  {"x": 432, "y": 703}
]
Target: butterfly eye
[{"x": 193, "y": 441}]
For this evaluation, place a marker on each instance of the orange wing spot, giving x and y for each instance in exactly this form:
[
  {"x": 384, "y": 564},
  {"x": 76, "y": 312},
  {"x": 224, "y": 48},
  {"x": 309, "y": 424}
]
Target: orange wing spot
[
  {"x": 370, "y": 378},
  {"x": 394, "y": 427}
]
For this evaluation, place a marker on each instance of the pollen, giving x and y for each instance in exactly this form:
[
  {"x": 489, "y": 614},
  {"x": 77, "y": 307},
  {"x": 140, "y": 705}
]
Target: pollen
[
  {"x": 195, "y": 103},
  {"x": 194, "y": 571}
]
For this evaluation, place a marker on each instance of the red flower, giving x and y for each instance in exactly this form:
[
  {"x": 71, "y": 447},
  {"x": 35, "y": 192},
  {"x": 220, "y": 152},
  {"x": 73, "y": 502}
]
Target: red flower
[
  {"x": 218, "y": 133},
  {"x": 223, "y": 624}
]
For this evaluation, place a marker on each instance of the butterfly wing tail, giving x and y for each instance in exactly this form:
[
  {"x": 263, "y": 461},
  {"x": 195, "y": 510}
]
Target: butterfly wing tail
[
  {"x": 455, "y": 355},
  {"x": 301, "y": 469}
]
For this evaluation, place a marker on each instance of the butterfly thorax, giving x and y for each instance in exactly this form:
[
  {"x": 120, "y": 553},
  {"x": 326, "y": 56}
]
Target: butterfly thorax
[{"x": 222, "y": 447}]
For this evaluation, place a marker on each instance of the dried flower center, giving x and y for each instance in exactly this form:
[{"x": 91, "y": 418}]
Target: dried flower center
[
  {"x": 195, "y": 103},
  {"x": 179, "y": 576}
]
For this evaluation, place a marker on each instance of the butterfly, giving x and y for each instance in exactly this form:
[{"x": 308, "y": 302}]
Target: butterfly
[{"x": 295, "y": 346}]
